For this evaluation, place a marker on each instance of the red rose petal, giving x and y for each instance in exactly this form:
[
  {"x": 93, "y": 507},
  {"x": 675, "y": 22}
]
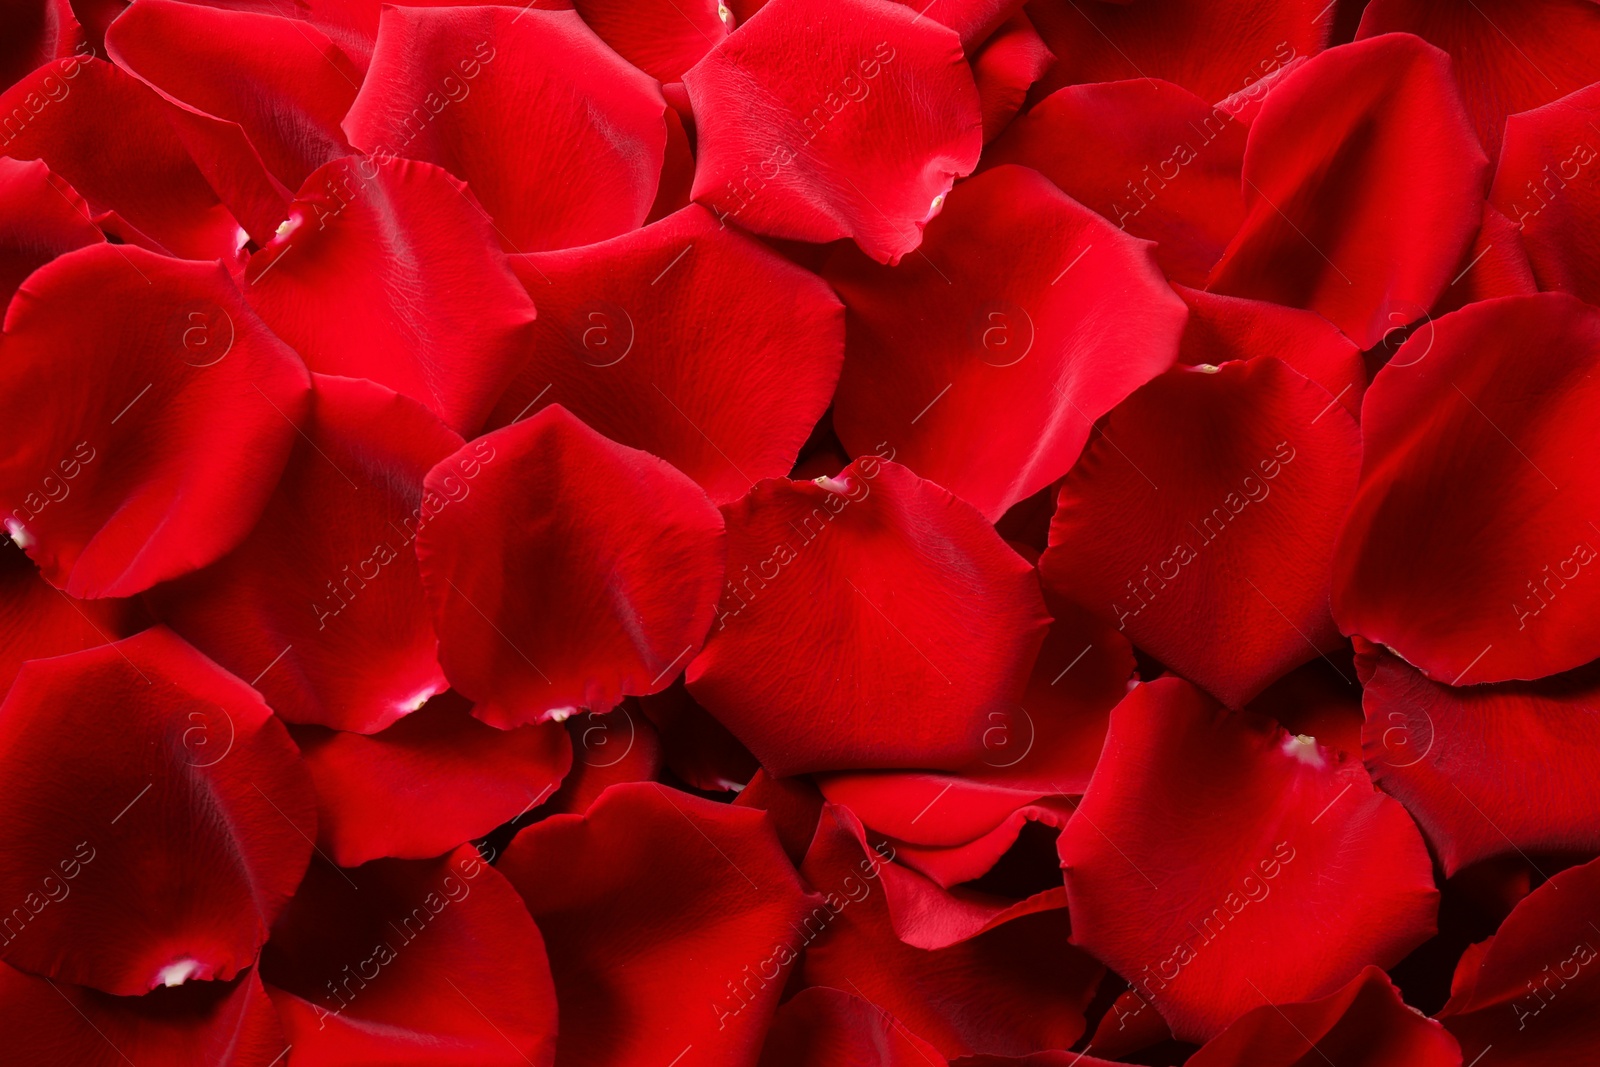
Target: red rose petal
[
  {"x": 862, "y": 139},
  {"x": 1160, "y": 162},
  {"x": 1203, "y": 521},
  {"x": 687, "y": 340},
  {"x": 663, "y": 38},
  {"x": 973, "y": 859},
  {"x": 1507, "y": 55},
  {"x": 389, "y": 271},
  {"x": 558, "y": 137},
  {"x": 1460, "y": 553},
  {"x": 512, "y": 560},
  {"x": 38, "y": 621},
  {"x": 943, "y": 620},
  {"x": 938, "y": 810},
  {"x": 1363, "y": 183},
  {"x": 794, "y": 805},
  {"x": 1016, "y": 988},
  {"x": 1496, "y": 265},
  {"x": 429, "y": 782},
  {"x": 1544, "y": 186},
  {"x": 1224, "y": 328},
  {"x": 431, "y": 963},
  {"x": 33, "y": 32},
  {"x": 110, "y": 137},
  {"x": 638, "y": 979},
  {"x": 698, "y": 748},
  {"x": 1217, "y": 860},
  {"x": 151, "y": 387},
  {"x": 1006, "y": 65},
  {"x": 178, "y": 827},
  {"x": 322, "y": 606},
  {"x": 1530, "y": 991},
  {"x": 608, "y": 748},
  {"x": 1364, "y": 1024},
  {"x": 824, "y": 1027},
  {"x": 1210, "y": 49},
  {"x": 256, "y": 98},
  {"x": 1036, "y": 318},
  {"x": 1469, "y": 763},
  {"x": 41, "y": 217},
  {"x": 202, "y": 1024}
]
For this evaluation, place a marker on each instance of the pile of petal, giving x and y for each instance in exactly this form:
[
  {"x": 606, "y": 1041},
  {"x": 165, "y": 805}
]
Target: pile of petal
[{"x": 800, "y": 533}]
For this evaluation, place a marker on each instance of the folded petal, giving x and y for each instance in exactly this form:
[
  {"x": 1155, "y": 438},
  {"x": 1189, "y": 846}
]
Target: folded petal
[
  {"x": 165, "y": 847},
  {"x": 151, "y": 387},
  {"x": 434, "y": 779},
  {"x": 824, "y": 1027},
  {"x": 1363, "y": 184},
  {"x": 411, "y": 963},
  {"x": 41, "y": 217},
  {"x": 1466, "y": 547},
  {"x": 387, "y": 270},
  {"x": 1005, "y": 66},
  {"x": 559, "y": 138},
  {"x": 1217, "y": 860},
  {"x": 943, "y": 621},
  {"x": 1157, "y": 160},
  {"x": 1203, "y": 520},
  {"x": 322, "y": 605},
  {"x": 687, "y": 340},
  {"x": 512, "y": 562},
  {"x": 1035, "y": 318},
  {"x": 821, "y": 119},
  {"x": 671, "y": 923}
]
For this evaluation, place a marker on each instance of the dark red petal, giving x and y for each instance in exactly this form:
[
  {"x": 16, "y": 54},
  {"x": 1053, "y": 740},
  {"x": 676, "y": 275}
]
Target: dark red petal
[
  {"x": 110, "y": 137},
  {"x": 973, "y": 20},
  {"x": 1487, "y": 769},
  {"x": 321, "y": 606},
  {"x": 33, "y": 32},
  {"x": 430, "y": 963},
  {"x": 608, "y": 748},
  {"x": 663, "y": 38},
  {"x": 790, "y": 145},
  {"x": 388, "y": 270},
  {"x": 202, "y": 1024},
  {"x": 677, "y": 165},
  {"x": 697, "y": 747},
  {"x": 1202, "y": 522},
  {"x": 824, "y": 1027},
  {"x": 1035, "y": 318},
  {"x": 925, "y": 809},
  {"x": 41, "y": 217},
  {"x": 637, "y": 979},
  {"x": 1363, "y": 185},
  {"x": 1530, "y": 992},
  {"x": 971, "y": 860},
  {"x": 559, "y": 138},
  {"x": 152, "y": 391},
  {"x": 794, "y": 805},
  {"x": 38, "y": 621},
  {"x": 1507, "y": 55},
  {"x": 1364, "y": 1024},
  {"x": 511, "y": 560},
  {"x": 431, "y": 781},
  {"x": 1224, "y": 328},
  {"x": 1217, "y": 860},
  {"x": 687, "y": 340},
  {"x": 1006, "y": 65},
  {"x": 943, "y": 618},
  {"x": 1210, "y": 49},
  {"x": 177, "y": 830},
  {"x": 1160, "y": 162},
  {"x": 1496, "y": 265},
  {"x": 256, "y": 98},
  {"x": 1016, "y": 988},
  {"x": 1545, "y": 187},
  {"x": 1461, "y": 553}
]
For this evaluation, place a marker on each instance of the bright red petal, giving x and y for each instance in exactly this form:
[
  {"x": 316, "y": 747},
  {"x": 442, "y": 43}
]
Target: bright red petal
[
  {"x": 1217, "y": 860},
  {"x": 1035, "y": 317},
  {"x": 178, "y": 829},
  {"x": 943, "y": 621},
  {"x": 663, "y": 38},
  {"x": 41, "y": 217},
  {"x": 821, "y": 119},
  {"x": 151, "y": 390}
]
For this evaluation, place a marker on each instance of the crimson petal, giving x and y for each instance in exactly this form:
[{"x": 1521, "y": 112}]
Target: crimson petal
[
  {"x": 663, "y": 38},
  {"x": 1005, "y": 66},
  {"x": 41, "y": 217},
  {"x": 38, "y": 621},
  {"x": 824, "y": 1027}
]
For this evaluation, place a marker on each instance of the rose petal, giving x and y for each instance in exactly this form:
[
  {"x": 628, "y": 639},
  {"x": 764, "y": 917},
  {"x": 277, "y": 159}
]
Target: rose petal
[
  {"x": 41, "y": 217},
  {"x": 794, "y": 805},
  {"x": 637, "y": 980},
  {"x": 38, "y": 621},
  {"x": 1217, "y": 860},
  {"x": 32, "y": 32},
  {"x": 512, "y": 561},
  {"x": 687, "y": 340},
  {"x": 608, "y": 748},
  {"x": 154, "y": 381},
  {"x": 943, "y": 621},
  {"x": 1460, "y": 553},
  {"x": 1005, "y": 66},
  {"x": 862, "y": 139},
  {"x": 1037, "y": 318},
  {"x": 698, "y": 748},
  {"x": 180, "y": 821},
  {"x": 559, "y": 138},
  {"x": 663, "y": 38},
  {"x": 824, "y": 1027}
]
